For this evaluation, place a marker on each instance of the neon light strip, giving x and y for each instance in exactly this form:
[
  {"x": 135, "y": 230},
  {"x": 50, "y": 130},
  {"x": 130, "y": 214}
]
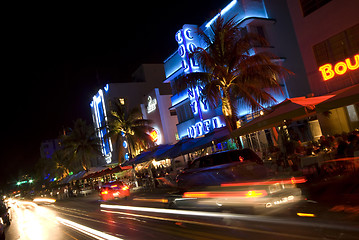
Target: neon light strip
[{"x": 224, "y": 11}]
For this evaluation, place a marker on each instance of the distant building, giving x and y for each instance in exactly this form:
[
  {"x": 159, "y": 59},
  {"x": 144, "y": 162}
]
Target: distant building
[
  {"x": 48, "y": 147},
  {"x": 145, "y": 78}
]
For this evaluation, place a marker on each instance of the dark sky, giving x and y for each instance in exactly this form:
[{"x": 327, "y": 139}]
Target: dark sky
[{"x": 51, "y": 53}]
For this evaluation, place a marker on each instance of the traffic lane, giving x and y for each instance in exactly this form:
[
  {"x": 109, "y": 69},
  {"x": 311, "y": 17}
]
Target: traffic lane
[
  {"x": 130, "y": 223},
  {"x": 252, "y": 225},
  {"x": 235, "y": 222},
  {"x": 32, "y": 222}
]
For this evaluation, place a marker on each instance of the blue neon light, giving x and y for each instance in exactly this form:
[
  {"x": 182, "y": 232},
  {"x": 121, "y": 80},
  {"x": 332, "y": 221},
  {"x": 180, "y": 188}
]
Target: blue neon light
[
  {"x": 100, "y": 119},
  {"x": 224, "y": 11},
  {"x": 106, "y": 88}
]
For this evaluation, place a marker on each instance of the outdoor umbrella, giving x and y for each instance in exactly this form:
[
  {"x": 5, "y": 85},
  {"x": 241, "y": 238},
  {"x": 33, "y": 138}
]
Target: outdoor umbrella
[
  {"x": 343, "y": 98},
  {"x": 289, "y": 109}
]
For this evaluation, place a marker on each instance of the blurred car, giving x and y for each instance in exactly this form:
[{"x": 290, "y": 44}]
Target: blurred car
[
  {"x": 226, "y": 166},
  {"x": 114, "y": 190},
  {"x": 233, "y": 179},
  {"x": 5, "y": 214},
  {"x": 2, "y": 231}
]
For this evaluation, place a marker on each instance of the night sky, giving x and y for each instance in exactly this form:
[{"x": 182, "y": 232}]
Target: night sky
[{"x": 56, "y": 56}]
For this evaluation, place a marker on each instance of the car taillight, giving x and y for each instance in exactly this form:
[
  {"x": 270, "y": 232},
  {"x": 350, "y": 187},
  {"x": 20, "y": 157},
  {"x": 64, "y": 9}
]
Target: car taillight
[
  {"x": 125, "y": 188},
  {"x": 104, "y": 192}
]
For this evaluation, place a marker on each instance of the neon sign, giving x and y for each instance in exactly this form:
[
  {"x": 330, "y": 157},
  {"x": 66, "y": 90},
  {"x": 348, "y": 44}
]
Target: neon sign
[
  {"x": 328, "y": 72},
  {"x": 154, "y": 135},
  {"x": 204, "y": 127},
  {"x": 99, "y": 114},
  {"x": 151, "y": 106},
  {"x": 197, "y": 105},
  {"x": 187, "y": 43}
]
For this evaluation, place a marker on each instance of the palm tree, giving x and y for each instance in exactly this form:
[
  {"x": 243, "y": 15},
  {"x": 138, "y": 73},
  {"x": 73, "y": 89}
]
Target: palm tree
[
  {"x": 128, "y": 125},
  {"x": 231, "y": 74},
  {"x": 81, "y": 145},
  {"x": 61, "y": 163}
]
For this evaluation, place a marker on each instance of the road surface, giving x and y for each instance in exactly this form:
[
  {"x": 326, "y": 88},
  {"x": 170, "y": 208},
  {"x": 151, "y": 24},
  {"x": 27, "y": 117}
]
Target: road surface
[{"x": 89, "y": 218}]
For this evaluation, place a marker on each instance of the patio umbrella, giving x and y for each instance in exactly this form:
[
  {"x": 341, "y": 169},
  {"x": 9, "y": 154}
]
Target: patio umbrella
[
  {"x": 289, "y": 109},
  {"x": 343, "y": 98}
]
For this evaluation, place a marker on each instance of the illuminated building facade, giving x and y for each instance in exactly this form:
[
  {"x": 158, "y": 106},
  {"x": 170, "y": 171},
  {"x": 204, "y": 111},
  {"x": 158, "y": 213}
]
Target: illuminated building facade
[
  {"x": 145, "y": 78},
  {"x": 328, "y": 37},
  {"x": 269, "y": 20},
  {"x": 155, "y": 108}
]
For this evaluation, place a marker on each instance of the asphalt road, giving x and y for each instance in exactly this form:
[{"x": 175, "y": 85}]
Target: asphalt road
[{"x": 89, "y": 218}]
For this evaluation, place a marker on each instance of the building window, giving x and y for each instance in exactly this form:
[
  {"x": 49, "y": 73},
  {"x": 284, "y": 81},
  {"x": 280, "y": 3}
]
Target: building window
[
  {"x": 338, "y": 47},
  {"x": 309, "y": 6},
  {"x": 184, "y": 112}
]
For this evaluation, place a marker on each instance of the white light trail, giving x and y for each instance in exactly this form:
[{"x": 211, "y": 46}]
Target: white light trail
[
  {"x": 253, "y": 218},
  {"x": 87, "y": 230}
]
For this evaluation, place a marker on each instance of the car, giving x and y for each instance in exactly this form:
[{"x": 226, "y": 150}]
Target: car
[
  {"x": 233, "y": 179},
  {"x": 212, "y": 169},
  {"x": 2, "y": 231},
  {"x": 5, "y": 214},
  {"x": 114, "y": 190}
]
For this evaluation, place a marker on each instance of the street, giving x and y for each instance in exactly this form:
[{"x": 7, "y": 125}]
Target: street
[{"x": 141, "y": 218}]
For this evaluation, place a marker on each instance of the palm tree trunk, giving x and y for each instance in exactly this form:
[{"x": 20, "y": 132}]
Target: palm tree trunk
[{"x": 229, "y": 116}]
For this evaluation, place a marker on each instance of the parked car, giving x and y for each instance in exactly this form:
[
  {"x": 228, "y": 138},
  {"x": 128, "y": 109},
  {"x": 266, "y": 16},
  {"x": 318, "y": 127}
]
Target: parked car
[
  {"x": 114, "y": 190},
  {"x": 233, "y": 179}
]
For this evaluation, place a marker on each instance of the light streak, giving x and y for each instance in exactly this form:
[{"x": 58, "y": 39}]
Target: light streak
[
  {"x": 283, "y": 181},
  {"x": 86, "y": 230},
  {"x": 244, "y": 217},
  {"x": 44, "y": 200},
  {"x": 181, "y": 221},
  {"x": 306, "y": 214}
]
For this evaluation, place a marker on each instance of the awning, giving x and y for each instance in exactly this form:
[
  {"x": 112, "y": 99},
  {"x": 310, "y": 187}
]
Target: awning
[
  {"x": 106, "y": 171},
  {"x": 289, "y": 109},
  {"x": 73, "y": 177},
  {"x": 174, "y": 151},
  {"x": 144, "y": 157},
  {"x": 189, "y": 145},
  {"x": 343, "y": 98},
  {"x": 216, "y": 136}
]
